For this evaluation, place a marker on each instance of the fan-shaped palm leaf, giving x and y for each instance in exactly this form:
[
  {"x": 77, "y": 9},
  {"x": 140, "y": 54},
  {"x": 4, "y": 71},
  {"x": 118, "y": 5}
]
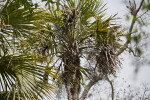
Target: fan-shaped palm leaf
[
  {"x": 21, "y": 72},
  {"x": 21, "y": 78}
]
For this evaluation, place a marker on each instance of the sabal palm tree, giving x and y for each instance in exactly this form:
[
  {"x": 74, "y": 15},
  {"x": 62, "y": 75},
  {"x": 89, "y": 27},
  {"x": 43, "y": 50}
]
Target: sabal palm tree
[
  {"x": 21, "y": 70},
  {"x": 73, "y": 29}
]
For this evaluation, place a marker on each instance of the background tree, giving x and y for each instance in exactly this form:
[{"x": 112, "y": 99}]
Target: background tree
[{"x": 139, "y": 32}]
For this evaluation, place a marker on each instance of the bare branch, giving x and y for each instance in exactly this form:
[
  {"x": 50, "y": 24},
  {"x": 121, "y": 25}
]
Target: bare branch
[
  {"x": 112, "y": 87},
  {"x": 140, "y": 6},
  {"x": 88, "y": 87},
  {"x": 143, "y": 14}
]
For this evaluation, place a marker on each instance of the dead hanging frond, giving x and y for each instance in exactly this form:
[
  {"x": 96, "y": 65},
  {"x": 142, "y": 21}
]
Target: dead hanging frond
[
  {"x": 107, "y": 44},
  {"x": 107, "y": 62}
]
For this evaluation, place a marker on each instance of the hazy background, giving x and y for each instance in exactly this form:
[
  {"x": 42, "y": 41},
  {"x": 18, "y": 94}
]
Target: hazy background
[{"x": 128, "y": 69}]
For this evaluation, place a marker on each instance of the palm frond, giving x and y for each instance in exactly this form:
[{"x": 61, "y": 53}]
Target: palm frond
[
  {"x": 21, "y": 76},
  {"x": 21, "y": 72}
]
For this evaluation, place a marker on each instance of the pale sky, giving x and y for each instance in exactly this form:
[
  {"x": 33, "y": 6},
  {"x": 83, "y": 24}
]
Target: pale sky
[{"x": 143, "y": 75}]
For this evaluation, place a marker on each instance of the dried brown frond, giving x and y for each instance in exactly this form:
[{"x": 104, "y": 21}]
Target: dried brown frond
[{"x": 107, "y": 62}]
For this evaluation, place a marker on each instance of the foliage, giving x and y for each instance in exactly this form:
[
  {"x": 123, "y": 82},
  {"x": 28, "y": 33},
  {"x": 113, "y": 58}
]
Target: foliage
[
  {"x": 21, "y": 69},
  {"x": 21, "y": 77}
]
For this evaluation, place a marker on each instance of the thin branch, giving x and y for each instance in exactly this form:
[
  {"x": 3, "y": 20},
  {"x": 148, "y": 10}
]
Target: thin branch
[
  {"x": 130, "y": 29},
  {"x": 143, "y": 14},
  {"x": 88, "y": 87},
  {"x": 112, "y": 87},
  {"x": 140, "y": 6},
  {"x": 134, "y": 19}
]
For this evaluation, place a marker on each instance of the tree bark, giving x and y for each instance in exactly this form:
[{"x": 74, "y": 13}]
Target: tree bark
[{"x": 72, "y": 76}]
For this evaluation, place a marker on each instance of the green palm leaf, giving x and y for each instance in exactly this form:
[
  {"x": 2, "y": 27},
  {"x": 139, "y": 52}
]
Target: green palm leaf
[
  {"x": 21, "y": 72},
  {"x": 21, "y": 76}
]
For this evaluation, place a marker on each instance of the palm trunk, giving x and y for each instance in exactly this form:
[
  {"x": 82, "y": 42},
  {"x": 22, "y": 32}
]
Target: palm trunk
[
  {"x": 71, "y": 57},
  {"x": 72, "y": 76}
]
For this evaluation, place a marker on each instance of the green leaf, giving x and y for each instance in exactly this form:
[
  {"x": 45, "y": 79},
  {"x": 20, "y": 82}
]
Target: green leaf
[
  {"x": 84, "y": 71},
  {"x": 128, "y": 36},
  {"x": 135, "y": 31},
  {"x": 138, "y": 51},
  {"x": 127, "y": 17}
]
